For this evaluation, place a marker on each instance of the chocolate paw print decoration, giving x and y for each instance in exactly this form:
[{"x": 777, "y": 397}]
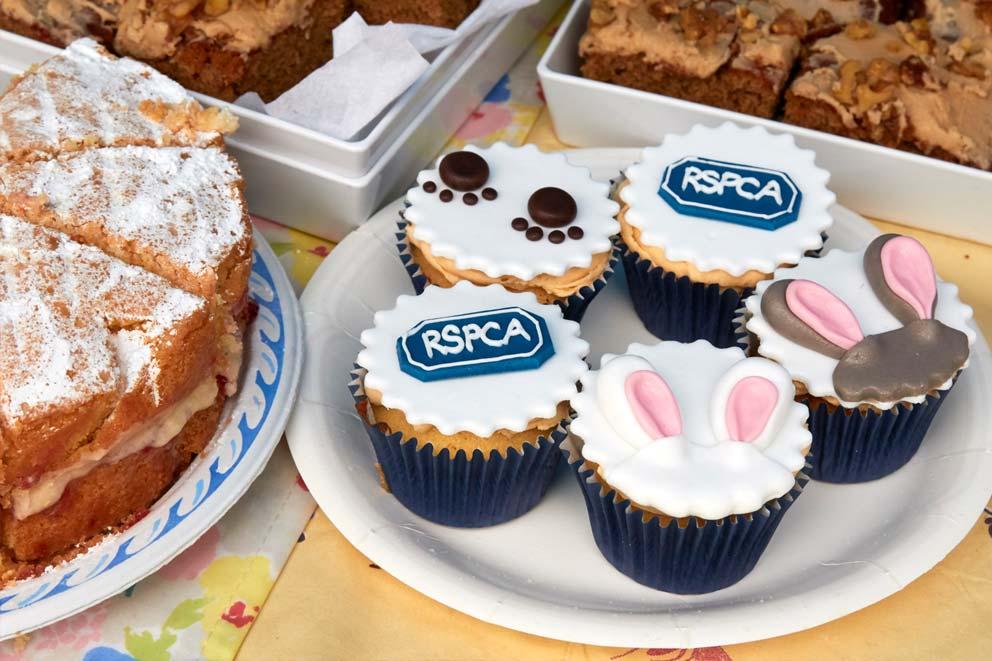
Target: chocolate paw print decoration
[
  {"x": 549, "y": 208},
  {"x": 906, "y": 362}
]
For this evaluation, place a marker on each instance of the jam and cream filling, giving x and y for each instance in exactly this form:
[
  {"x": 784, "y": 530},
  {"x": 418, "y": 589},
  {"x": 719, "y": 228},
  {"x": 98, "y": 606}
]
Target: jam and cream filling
[{"x": 154, "y": 433}]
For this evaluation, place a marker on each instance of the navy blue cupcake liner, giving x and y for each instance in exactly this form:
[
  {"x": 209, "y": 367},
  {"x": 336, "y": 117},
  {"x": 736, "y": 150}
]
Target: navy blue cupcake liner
[
  {"x": 851, "y": 445},
  {"x": 462, "y": 491},
  {"x": 573, "y": 308},
  {"x": 703, "y": 556},
  {"x": 676, "y": 308}
]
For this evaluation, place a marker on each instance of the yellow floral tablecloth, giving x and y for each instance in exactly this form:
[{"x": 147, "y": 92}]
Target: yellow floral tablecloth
[{"x": 235, "y": 588}]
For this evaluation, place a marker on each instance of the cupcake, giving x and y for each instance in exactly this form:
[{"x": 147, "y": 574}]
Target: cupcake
[
  {"x": 465, "y": 394},
  {"x": 688, "y": 457},
  {"x": 517, "y": 217},
  {"x": 708, "y": 215},
  {"x": 874, "y": 342}
]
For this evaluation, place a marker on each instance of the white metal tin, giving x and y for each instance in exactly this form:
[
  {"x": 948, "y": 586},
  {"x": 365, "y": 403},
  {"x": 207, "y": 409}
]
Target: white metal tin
[{"x": 872, "y": 180}]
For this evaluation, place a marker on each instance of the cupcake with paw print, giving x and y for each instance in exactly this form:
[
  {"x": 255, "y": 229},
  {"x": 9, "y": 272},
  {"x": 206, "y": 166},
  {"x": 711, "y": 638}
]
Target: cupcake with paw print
[{"x": 514, "y": 216}]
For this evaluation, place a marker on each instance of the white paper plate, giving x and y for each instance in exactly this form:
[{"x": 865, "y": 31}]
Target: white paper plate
[
  {"x": 839, "y": 549},
  {"x": 255, "y": 420}
]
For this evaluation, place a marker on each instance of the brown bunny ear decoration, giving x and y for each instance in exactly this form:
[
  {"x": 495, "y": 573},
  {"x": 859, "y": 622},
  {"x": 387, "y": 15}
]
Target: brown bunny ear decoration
[
  {"x": 902, "y": 276},
  {"x": 811, "y": 316}
]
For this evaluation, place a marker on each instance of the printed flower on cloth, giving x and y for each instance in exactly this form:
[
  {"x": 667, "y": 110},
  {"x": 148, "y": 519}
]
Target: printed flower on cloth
[{"x": 202, "y": 603}]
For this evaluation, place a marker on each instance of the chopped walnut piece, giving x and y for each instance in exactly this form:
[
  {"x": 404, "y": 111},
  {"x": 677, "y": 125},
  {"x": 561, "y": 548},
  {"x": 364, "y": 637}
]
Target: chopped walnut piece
[
  {"x": 822, "y": 25},
  {"x": 917, "y": 35},
  {"x": 748, "y": 19},
  {"x": 216, "y": 7},
  {"x": 917, "y": 44},
  {"x": 602, "y": 14},
  {"x": 184, "y": 8},
  {"x": 869, "y": 98},
  {"x": 960, "y": 49},
  {"x": 969, "y": 68},
  {"x": 893, "y": 46},
  {"x": 701, "y": 26},
  {"x": 860, "y": 29},
  {"x": 881, "y": 73},
  {"x": 789, "y": 22},
  {"x": 848, "y": 81},
  {"x": 660, "y": 9},
  {"x": 692, "y": 23}
]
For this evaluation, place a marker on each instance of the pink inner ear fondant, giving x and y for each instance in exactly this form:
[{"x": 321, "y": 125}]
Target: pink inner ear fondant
[
  {"x": 824, "y": 313},
  {"x": 908, "y": 271},
  {"x": 750, "y": 405},
  {"x": 653, "y": 404}
]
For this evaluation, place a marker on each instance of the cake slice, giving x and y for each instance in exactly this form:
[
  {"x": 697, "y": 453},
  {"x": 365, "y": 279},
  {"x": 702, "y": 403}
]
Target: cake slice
[
  {"x": 442, "y": 13},
  {"x": 60, "y": 22},
  {"x": 736, "y": 57},
  {"x": 85, "y": 97},
  {"x": 900, "y": 87},
  {"x": 102, "y": 367},
  {"x": 225, "y": 48},
  {"x": 178, "y": 212}
]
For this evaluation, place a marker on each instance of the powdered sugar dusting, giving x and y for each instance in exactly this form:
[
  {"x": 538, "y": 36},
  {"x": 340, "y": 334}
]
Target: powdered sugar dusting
[
  {"x": 183, "y": 205},
  {"x": 75, "y": 322},
  {"x": 86, "y": 95}
]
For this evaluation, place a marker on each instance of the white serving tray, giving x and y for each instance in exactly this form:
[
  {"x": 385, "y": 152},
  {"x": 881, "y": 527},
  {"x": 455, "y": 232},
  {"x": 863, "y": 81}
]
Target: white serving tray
[
  {"x": 328, "y": 204},
  {"x": 875, "y": 181},
  {"x": 840, "y": 548},
  {"x": 330, "y": 186}
]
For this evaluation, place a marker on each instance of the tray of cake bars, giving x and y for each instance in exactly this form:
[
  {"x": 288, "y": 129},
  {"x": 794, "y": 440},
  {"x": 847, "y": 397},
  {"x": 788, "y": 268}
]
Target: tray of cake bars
[
  {"x": 893, "y": 95},
  {"x": 301, "y": 177}
]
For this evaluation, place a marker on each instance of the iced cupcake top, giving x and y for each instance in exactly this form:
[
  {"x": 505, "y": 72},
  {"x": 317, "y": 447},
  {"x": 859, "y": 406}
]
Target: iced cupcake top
[
  {"x": 729, "y": 199},
  {"x": 875, "y": 327},
  {"x": 512, "y": 211},
  {"x": 692, "y": 430},
  {"x": 475, "y": 359}
]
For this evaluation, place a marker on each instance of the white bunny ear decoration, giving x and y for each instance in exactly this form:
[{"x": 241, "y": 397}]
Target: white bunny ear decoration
[
  {"x": 637, "y": 401},
  {"x": 749, "y": 400}
]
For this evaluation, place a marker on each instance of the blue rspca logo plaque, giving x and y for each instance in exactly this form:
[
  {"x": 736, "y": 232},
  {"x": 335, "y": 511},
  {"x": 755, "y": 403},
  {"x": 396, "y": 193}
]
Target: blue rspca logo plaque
[
  {"x": 474, "y": 344},
  {"x": 731, "y": 192}
]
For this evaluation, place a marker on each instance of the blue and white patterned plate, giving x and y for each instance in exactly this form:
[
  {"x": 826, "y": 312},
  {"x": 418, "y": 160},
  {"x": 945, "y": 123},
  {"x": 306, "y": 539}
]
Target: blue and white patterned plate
[{"x": 255, "y": 420}]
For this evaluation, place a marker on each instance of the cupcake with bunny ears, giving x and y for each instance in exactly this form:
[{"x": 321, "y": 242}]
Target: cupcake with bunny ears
[
  {"x": 874, "y": 341},
  {"x": 687, "y": 472}
]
